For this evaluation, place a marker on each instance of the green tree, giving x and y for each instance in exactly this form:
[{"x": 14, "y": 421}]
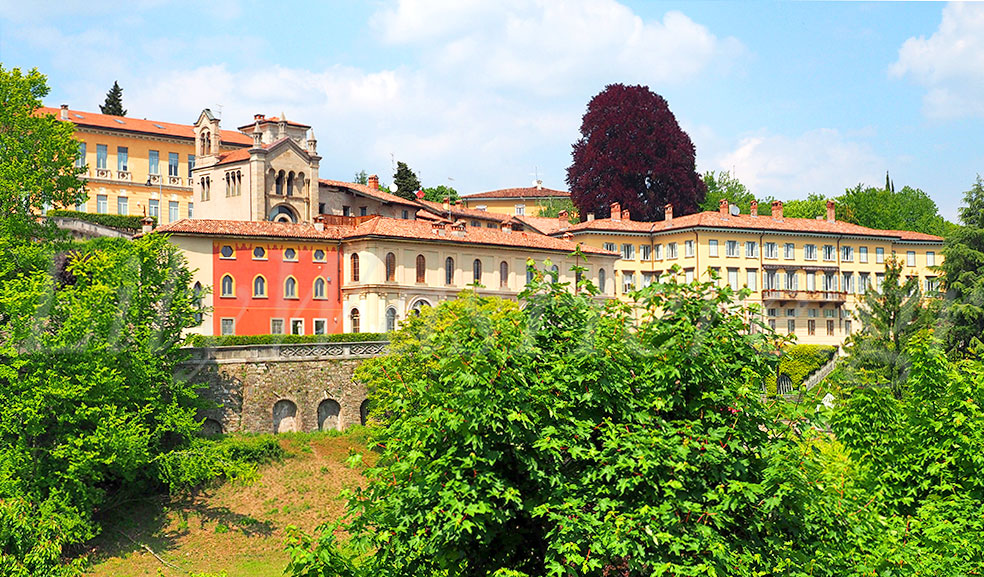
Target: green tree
[
  {"x": 361, "y": 177},
  {"x": 37, "y": 157},
  {"x": 963, "y": 273},
  {"x": 440, "y": 193},
  {"x": 886, "y": 209},
  {"x": 551, "y": 207},
  {"x": 406, "y": 181},
  {"x": 889, "y": 317},
  {"x": 724, "y": 186},
  {"x": 114, "y": 101},
  {"x": 812, "y": 206}
]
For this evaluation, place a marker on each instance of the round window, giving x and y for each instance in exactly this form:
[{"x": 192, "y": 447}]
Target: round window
[
  {"x": 259, "y": 252},
  {"x": 226, "y": 251},
  {"x": 290, "y": 254},
  {"x": 319, "y": 254}
]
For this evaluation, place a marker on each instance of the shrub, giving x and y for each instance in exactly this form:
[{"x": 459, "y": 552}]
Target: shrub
[
  {"x": 800, "y": 361},
  {"x": 129, "y": 223},
  {"x": 202, "y": 341},
  {"x": 234, "y": 457}
]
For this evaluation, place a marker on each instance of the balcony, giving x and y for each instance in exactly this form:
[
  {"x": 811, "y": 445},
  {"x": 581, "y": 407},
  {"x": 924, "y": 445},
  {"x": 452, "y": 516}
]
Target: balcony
[{"x": 807, "y": 296}]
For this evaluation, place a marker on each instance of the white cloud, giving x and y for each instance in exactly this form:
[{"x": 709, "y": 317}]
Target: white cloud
[
  {"x": 948, "y": 63},
  {"x": 816, "y": 161}
]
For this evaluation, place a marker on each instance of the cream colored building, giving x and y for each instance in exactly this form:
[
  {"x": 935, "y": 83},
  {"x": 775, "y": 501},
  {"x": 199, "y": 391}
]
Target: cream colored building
[
  {"x": 514, "y": 201},
  {"x": 807, "y": 275}
]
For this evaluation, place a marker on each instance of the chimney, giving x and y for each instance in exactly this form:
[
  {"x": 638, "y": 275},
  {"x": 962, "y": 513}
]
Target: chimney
[
  {"x": 146, "y": 224},
  {"x": 830, "y": 211},
  {"x": 539, "y": 184},
  {"x": 723, "y": 206},
  {"x": 616, "y": 211},
  {"x": 507, "y": 227},
  {"x": 777, "y": 209},
  {"x": 458, "y": 228},
  {"x": 568, "y": 236},
  {"x": 755, "y": 209},
  {"x": 319, "y": 222},
  {"x": 437, "y": 228},
  {"x": 668, "y": 212},
  {"x": 562, "y": 216},
  {"x": 625, "y": 215},
  {"x": 259, "y": 118},
  {"x": 446, "y": 203},
  {"x": 374, "y": 182},
  {"x": 590, "y": 216},
  {"x": 63, "y": 115}
]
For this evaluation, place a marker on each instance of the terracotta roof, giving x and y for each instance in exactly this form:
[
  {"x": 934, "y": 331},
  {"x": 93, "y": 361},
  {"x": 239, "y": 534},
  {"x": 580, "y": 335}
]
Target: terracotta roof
[
  {"x": 529, "y": 192},
  {"x": 543, "y": 224},
  {"x": 714, "y": 219},
  {"x": 234, "y": 156},
  {"x": 424, "y": 231},
  {"x": 245, "y": 228},
  {"x": 364, "y": 190},
  {"x": 143, "y": 126},
  {"x": 274, "y": 120},
  {"x": 459, "y": 212}
]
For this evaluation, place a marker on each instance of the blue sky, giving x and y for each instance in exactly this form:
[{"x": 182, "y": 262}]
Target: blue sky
[{"x": 792, "y": 97}]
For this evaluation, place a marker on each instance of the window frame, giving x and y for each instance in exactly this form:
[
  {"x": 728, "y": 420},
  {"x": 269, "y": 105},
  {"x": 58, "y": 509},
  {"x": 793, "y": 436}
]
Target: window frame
[
  {"x": 354, "y": 266},
  {"x": 266, "y": 292},
  {"x": 287, "y": 296},
  {"x": 420, "y": 269},
  {"x": 222, "y": 326},
  {"x": 231, "y": 294},
  {"x": 323, "y": 291},
  {"x": 712, "y": 247},
  {"x": 264, "y": 254}
]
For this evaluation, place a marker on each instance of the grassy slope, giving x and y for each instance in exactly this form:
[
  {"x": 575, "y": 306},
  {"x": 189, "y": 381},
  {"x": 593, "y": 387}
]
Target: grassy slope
[{"x": 233, "y": 528}]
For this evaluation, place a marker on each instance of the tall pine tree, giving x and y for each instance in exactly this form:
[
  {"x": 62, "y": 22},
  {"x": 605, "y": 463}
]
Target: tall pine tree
[
  {"x": 114, "y": 101},
  {"x": 406, "y": 181}
]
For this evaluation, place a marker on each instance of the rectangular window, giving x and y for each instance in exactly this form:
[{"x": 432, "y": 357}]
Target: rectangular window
[
  {"x": 628, "y": 281},
  {"x": 191, "y": 210},
  {"x": 772, "y": 324},
  {"x": 122, "y": 205},
  {"x": 752, "y": 278},
  {"x": 829, "y": 252},
  {"x": 122, "y": 158},
  {"x": 733, "y": 278},
  {"x": 102, "y": 152},
  {"x": 172, "y": 211},
  {"x": 879, "y": 280},
  {"x": 688, "y": 248},
  {"x": 276, "y": 326},
  {"x": 862, "y": 254},
  {"x": 712, "y": 247},
  {"x": 191, "y": 164},
  {"x": 688, "y": 275},
  {"x": 610, "y": 247},
  {"x": 227, "y": 327},
  {"x": 102, "y": 204},
  {"x": 879, "y": 255},
  {"x": 811, "y": 327},
  {"x": 320, "y": 326},
  {"x": 791, "y": 326},
  {"x": 792, "y": 281},
  {"x": 811, "y": 281},
  {"x": 830, "y": 282},
  {"x": 864, "y": 284},
  {"x": 671, "y": 250},
  {"x": 930, "y": 258},
  {"x": 297, "y": 326},
  {"x": 520, "y": 210},
  {"x": 772, "y": 312},
  {"x": 810, "y": 252},
  {"x": 789, "y": 251},
  {"x": 847, "y": 282},
  {"x": 154, "y": 208},
  {"x": 731, "y": 248},
  {"x": 80, "y": 159},
  {"x": 153, "y": 162},
  {"x": 910, "y": 258},
  {"x": 172, "y": 164},
  {"x": 645, "y": 252},
  {"x": 346, "y": 211},
  {"x": 771, "y": 250},
  {"x": 790, "y": 312},
  {"x": 812, "y": 313},
  {"x": 847, "y": 253},
  {"x": 363, "y": 210},
  {"x": 751, "y": 249},
  {"x": 932, "y": 285},
  {"x": 847, "y": 327},
  {"x": 829, "y": 313},
  {"x": 647, "y": 279},
  {"x": 406, "y": 214},
  {"x": 830, "y": 328},
  {"x": 628, "y": 252},
  {"x": 658, "y": 252}
]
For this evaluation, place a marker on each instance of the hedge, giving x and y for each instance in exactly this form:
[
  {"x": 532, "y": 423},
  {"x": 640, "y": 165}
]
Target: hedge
[
  {"x": 202, "y": 341},
  {"x": 111, "y": 220},
  {"x": 798, "y": 362}
]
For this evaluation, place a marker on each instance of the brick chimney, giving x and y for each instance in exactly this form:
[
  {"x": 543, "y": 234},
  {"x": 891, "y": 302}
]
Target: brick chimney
[
  {"x": 507, "y": 227},
  {"x": 626, "y": 215},
  {"x": 446, "y": 204},
  {"x": 437, "y": 228},
  {"x": 373, "y": 182},
  {"x": 755, "y": 209},
  {"x": 146, "y": 224},
  {"x": 616, "y": 211},
  {"x": 830, "y": 211},
  {"x": 723, "y": 206},
  {"x": 590, "y": 216},
  {"x": 668, "y": 212},
  {"x": 562, "y": 216},
  {"x": 64, "y": 112},
  {"x": 319, "y": 222},
  {"x": 568, "y": 236},
  {"x": 777, "y": 209}
]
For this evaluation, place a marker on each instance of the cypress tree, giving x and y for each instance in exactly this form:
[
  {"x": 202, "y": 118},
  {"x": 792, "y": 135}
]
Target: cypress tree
[{"x": 114, "y": 101}]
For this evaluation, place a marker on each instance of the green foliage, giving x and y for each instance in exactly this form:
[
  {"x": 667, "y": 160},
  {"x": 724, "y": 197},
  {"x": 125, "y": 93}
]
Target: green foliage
[
  {"x": 203, "y": 341},
  {"x": 440, "y": 194},
  {"x": 800, "y": 361},
  {"x": 114, "y": 101},
  {"x": 724, "y": 186},
  {"x": 406, "y": 182},
  {"x": 886, "y": 209},
  {"x": 207, "y": 460},
  {"x": 551, "y": 207},
  {"x": 37, "y": 157},
  {"x": 128, "y": 223},
  {"x": 963, "y": 274},
  {"x": 361, "y": 177},
  {"x": 813, "y": 206}
]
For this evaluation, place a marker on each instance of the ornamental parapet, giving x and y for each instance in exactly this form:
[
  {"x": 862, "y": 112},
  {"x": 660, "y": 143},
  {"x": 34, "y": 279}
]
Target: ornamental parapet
[
  {"x": 808, "y": 296},
  {"x": 285, "y": 352}
]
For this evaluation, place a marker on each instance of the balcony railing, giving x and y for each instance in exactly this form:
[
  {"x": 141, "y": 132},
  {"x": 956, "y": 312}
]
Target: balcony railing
[
  {"x": 811, "y": 296},
  {"x": 127, "y": 176}
]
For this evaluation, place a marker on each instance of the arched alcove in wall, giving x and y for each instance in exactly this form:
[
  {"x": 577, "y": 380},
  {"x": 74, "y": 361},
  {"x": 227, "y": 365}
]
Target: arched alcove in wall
[
  {"x": 328, "y": 411},
  {"x": 285, "y": 417}
]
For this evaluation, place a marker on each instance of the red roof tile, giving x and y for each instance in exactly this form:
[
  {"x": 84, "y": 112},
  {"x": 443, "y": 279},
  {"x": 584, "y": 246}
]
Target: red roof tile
[
  {"x": 543, "y": 224},
  {"x": 459, "y": 212},
  {"x": 273, "y": 120},
  {"x": 364, "y": 190},
  {"x": 234, "y": 156},
  {"x": 714, "y": 219},
  {"x": 143, "y": 126},
  {"x": 529, "y": 192},
  {"x": 245, "y": 228}
]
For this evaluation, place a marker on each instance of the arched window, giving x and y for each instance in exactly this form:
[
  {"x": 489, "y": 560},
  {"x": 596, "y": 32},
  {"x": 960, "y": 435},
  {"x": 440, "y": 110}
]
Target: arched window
[
  {"x": 354, "y": 316},
  {"x": 259, "y": 286},
  {"x": 503, "y": 274},
  {"x": 390, "y": 267},
  {"x": 390, "y": 319},
  {"x": 529, "y": 274},
  {"x": 197, "y": 292},
  {"x": 228, "y": 286},
  {"x": 556, "y": 273},
  {"x": 601, "y": 280},
  {"x": 477, "y": 271},
  {"x": 319, "y": 288},
  {"x": 421, "y": 268},
  {"x": 290, "y": 288},
  {"x": 290, "y": 184},
  {"x": 355, "y": 268},
  {"x": 280, "y": 183},
  {"x": 449, "y": 270},
  {"x": 416, "y": 307}
]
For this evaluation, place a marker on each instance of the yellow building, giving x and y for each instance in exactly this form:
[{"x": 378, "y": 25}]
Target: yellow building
[
  {"x": 808, "y": 275},
  {"x": 138, "y": 166},
  {"x": 514, "y": 201}
]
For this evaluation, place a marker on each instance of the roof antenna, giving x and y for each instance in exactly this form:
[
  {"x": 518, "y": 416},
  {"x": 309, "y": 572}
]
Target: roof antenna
[{"x": 218, "y": 107}]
